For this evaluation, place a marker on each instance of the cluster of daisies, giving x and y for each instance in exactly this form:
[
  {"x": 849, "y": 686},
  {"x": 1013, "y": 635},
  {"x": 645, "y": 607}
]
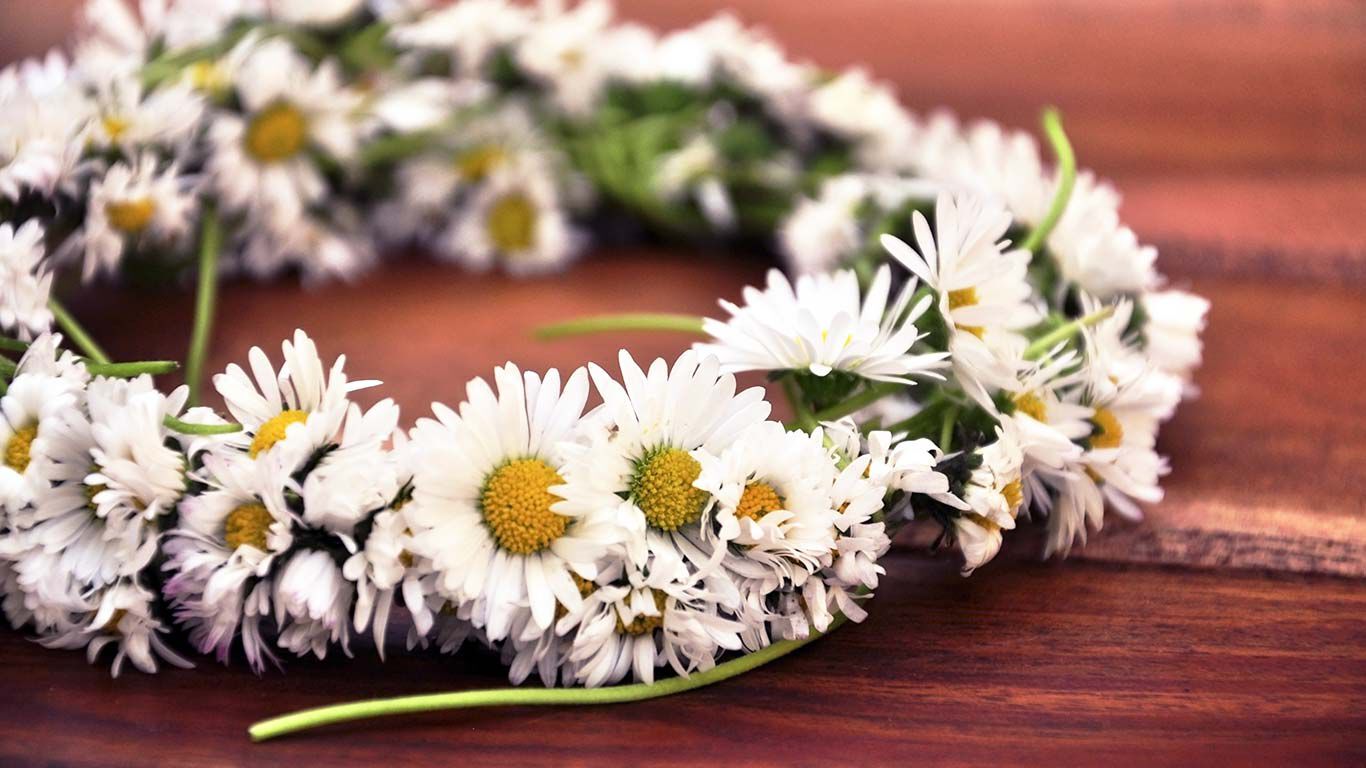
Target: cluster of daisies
[{"x": 966, "y": 336}]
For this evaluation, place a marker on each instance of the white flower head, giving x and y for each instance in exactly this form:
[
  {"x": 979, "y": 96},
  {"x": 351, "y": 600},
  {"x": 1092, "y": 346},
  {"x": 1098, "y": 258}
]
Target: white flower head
[
  {"x": 822, "y": 325},
  {"x": 487, "y": 509},
  {"x": 515, "y": 220},
  {"x": 131, "y": 204},
  {"x": 25, "y": 280},
  {"x": 983, "y": 294}
]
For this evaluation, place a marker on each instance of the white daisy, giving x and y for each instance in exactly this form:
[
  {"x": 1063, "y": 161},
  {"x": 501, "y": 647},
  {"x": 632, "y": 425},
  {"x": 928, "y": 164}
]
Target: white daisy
[
  {"x": 315, "y": 13},
  {"x": 472, "y": 31},
  {"x": 1175, "y": 320},
  {"x": 515, "y": 219},
  {"x": 487, "y": 507},
  {"x": 46, "y": 115},
  {"x": 320, "y": 250},
  {"x": 852, "y": 106},
  {"x": 563, "y": 51},
  {"x": 634, "y": 619},
  {"x": 120, "y": 616},
  {"x": 983, "y": 295},
  {"x": 134, "y": 204},
  {"x": 824, "y": 232},
  {"x": 774, "y": 510},
  {"x": 130, "y": 119},
  {"x": 116, "y": 40},
  {"x": 25, "y": 280},
  {"x": 261, "y": 162},
  {"x": 696, "y": 168},
  {"x": 641, "y": 457},
  {"x": 1049, "y": 428},
  {"x": 823, "y": 325},
  {"x": 978, "y": 539},
  {"x": 268, "y": 404},
  {"x": 46, "y": 385}
]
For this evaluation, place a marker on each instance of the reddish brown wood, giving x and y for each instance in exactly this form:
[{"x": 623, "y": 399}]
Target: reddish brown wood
[{"x": 1023, "y": 663}]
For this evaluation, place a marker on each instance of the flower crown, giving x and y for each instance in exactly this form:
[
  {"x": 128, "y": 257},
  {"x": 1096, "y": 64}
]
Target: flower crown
[{"x": 969, "y": 335}]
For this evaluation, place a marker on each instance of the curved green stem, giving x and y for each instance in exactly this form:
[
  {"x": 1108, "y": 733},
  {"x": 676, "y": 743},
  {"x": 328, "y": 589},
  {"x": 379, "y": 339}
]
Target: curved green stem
[
  {"x": 1062, "y": 333},
  {"x": 129, "y": 370},
  {"x": 76, "y": 333},
  {"x": 190, "y": 428},
  {"x": 1067, "y": 178},
  {"x": 13, "y": 345},
  {"x": 802, "y": 417},
  {"x": 210, "y": 238},
  {"x": 511, "y": 697},
  {"x": 634, "y": 321},
  {"x": 870, "y": 394}
]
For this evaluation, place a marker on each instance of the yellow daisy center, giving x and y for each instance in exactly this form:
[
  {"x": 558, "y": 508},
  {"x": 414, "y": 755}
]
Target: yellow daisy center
[
  {"x": 758, "y": 500},
  {"x": 18, "y": 450},
  {"x": 516, "y": 504},
  {"x": 663, "y": 488},
  {"x": 91, "y": 491},
  {"x": 1032, "y": 405},
  {"x": 984, "y": 522},
  {"x": 477, "y": 163},
  {"x": 511, "y": 223},
  {"x": 130, "y": 216},
  {"x": 1111, "y": 433},
  {"x": 273, "y": 431},
  {"x": 965, "y": 297},
  {"x": 1014, "y": 494},
  {"x": 276, "y": 133},
  {"x": 114, "y": 126},
  {"x": 642, "y": 624},
  {"x": 247, "y": 524},
  {"x": 206, "y": 75}
]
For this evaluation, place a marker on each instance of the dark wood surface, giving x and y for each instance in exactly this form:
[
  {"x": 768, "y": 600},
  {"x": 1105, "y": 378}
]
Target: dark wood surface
[{"x": 1229, "y": 627}]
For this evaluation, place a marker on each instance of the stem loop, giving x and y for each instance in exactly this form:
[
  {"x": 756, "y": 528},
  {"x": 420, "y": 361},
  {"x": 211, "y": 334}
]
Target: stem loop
[
  {"x": 209, "y": 242},
  {"x": 1067, "y": 179}
]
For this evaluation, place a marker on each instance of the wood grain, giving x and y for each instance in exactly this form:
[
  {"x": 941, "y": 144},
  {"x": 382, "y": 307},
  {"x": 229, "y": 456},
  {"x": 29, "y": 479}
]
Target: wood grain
[{"x": 1023, "y": 664}]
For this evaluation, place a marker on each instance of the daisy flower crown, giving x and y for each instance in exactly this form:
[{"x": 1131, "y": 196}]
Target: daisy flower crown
[{"x": 965, "y": 334}]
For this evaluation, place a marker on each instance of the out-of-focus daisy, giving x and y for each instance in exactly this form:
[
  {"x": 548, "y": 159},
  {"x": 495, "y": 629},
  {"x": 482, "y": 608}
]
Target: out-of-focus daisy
[
  {"x": 314, "y": 13},
  {"x": 133, "y": 204},
  {"x": 487, "y": 507},
  {"x": 514, "y": 220},
  {"x": 46, "y": 115},
  {"x": 268, "y": 404},
  {"x": 130, "y": 120},
  {"x": 823, "y": 325},
  {"x": 116, "y": 40},
  {"x": 982, "y": 292},
  {"x": 563, "y": 51},
  {"x": 472, "y": 31},
  {"x": 641, "y": 456},
  {"x": 121, "y": 617},
  {"x": 867, "y": 113},
  {"x": 25, "y": 280},
  {"x": 261, "y": 161},
  {"x": 694, "y": 168},
  {"x": 320, "y": 250},
  {"x": 1175, "y": 320}
]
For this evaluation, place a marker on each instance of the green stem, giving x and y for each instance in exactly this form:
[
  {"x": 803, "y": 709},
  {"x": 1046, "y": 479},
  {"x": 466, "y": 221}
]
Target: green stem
[
  {"x": 635, "y": 321},
  {"x": 946, "y": 429},
  {"x": 924, "y": 421},
  {"x": 1041, "y": 345},
  {"x": 1067, "y": 178},
  {"x": 129, "y": 370},
  {"x": 870, "y": 394},
  {"x": 13, "y": 345},
  {"x": 76, "y": 333},
  {"x": 802, "y": 417},
  {"x": 511, "y": 697},
  {"x": 190, "y": 428},
  {"x": 210, "y": 238}
]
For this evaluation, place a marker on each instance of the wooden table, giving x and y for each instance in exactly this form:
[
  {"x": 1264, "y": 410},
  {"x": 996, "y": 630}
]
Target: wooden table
[{"x": 1229, "y": 627}]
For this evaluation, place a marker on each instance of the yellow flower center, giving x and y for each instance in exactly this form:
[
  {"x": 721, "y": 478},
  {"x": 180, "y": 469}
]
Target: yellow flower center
[
  {"x": 276, "y": 133},
  {"x": 1111, "y": 433},
  {"x": 1031, "y": 404},
  {"x": 965, "y": 297},
  {"x": 477, "y": 163},
  {"x": 758, "y": 500},
  {"x": 247, "y": 525},
  {"x": 114, "y": 126},
  {"x": 985, "y": 523},
  {"x": 1014, "y": 494},
  {"x": 516, "y": 504},
  {"x": 91, "y": 491},
  {"x": 663, "y": 488},
  {"x": 18, "y": 451},
  {"x": 273, "y": 431},
  {"x": 643, "y": 624},
  {"x": 205, "y": 75},
  {"x": 511, "y": 223},
  {"x": 130, "y": 216}
]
